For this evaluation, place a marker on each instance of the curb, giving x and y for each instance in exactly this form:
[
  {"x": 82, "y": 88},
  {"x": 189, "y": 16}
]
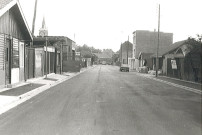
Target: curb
[
  {"x": 172, "y": 84},
  {"x": 180, "y": 80},
  {"x": 26, "y": 96}
]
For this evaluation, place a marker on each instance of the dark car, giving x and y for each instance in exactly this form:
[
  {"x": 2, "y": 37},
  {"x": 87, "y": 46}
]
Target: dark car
[{"x": 124, "y": 67}]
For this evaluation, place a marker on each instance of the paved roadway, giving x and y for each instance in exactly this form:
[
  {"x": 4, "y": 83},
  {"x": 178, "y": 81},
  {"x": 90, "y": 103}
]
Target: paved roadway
[{"x": 104, "y": 101}]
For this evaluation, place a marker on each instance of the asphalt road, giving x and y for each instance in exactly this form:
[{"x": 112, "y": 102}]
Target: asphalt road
[{"x": 104, "y": 101}]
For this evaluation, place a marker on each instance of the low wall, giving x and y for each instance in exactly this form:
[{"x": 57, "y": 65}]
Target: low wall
[
  {"x": 2, "y": 78},
  {"x": 71, "y": 66},
  {"x": 15, "y": 75}
]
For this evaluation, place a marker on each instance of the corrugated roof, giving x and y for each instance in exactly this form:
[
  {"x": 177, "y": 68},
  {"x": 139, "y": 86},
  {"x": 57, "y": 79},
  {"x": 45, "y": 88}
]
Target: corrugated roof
[{"x": 3, "y": 3}]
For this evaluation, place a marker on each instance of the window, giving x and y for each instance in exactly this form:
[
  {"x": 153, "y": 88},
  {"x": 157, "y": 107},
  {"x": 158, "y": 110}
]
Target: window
[{"x": 15, "y": 54}]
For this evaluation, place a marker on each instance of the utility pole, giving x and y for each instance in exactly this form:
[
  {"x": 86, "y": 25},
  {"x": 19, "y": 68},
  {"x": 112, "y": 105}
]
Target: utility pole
[
  {"x": 91, "y": 56},
  {"x": 121, "y": 55},
  {"x": 127, "y": 49},
  {"x": 157, "y": 51},
  {"x": 34, "y": 18},
  {"x": 61, "y": 48},
  {"x": 46, "y": 57}
]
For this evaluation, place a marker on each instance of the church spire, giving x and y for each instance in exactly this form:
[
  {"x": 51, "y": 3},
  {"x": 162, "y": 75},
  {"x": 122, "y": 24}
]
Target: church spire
[
  {"x": 43, "y": 31},
  {"x": 43, "y": 23}
]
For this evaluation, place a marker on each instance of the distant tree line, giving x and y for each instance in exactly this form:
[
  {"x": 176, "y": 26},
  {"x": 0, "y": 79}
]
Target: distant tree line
[{"x": 87, "y": 51}]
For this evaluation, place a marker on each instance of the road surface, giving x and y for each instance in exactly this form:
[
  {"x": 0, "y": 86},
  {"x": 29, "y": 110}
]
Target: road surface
[{"x": 105, "y": 101}]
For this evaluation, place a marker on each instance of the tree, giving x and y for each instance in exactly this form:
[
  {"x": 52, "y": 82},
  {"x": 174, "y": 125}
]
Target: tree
[
  {"x": 86, "y": 51},
  {"x": 199, "y": 38},
  {"x": 195, "y": 41},
  {"x": 196, "y": 44}
]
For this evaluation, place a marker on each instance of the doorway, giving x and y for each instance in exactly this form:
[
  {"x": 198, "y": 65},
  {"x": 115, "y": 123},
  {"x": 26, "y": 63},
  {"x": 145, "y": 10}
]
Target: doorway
[{"x": 8, "y": 62}]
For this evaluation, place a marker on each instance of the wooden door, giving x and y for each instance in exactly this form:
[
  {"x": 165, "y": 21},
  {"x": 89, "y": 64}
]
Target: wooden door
[
  {"x": 30, "y": 63},
  {"x": 47, "y": 63},
  {"x": 52, "y": 62},
  {"x": 8, "y": 61}
]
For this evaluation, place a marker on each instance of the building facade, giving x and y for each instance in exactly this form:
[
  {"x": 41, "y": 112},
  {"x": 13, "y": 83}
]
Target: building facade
[
  {"x": 126, "y": 52},
  {"x": 183, "y": 62},
  {"x": 146, "y": 42},
  {"x": 14, "y": 37}
]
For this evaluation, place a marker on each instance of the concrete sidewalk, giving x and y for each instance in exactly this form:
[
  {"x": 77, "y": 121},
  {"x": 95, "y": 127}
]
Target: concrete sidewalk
[
  {"x": 187, "y": 85},
  {"x": 11, "y": 97}
]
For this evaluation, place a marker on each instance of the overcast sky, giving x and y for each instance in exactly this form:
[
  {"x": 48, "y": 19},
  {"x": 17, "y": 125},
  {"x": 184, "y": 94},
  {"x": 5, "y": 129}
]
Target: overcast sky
[{"x": 106, "y": 23}]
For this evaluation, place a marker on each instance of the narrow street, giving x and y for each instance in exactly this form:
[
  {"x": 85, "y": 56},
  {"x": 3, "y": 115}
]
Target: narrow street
[{"x": 105, "y": 101}]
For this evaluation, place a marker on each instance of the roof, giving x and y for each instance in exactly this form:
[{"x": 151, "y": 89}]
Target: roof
[
  {"x": 141, "y": 31},
  {"x": 126, "y": 46},
  {"x": 41, "y": 41},
  {"x": 170, "y": 48},
  {"x": 3, "y": 3},
  {"x": 36, "y": 38},
  {"x": 6, "y": 5},
  {"x": 52, "y": 38},
  {"x": 145, "y": 55},
  {"x": 148, "y": 31}
]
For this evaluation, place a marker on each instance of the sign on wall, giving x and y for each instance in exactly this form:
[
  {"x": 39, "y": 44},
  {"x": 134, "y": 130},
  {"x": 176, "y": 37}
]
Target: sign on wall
[
  {"x": 78, "y": 54},
  {"x": 173, "y": 64},
  {"x": 49, "y": 49}
]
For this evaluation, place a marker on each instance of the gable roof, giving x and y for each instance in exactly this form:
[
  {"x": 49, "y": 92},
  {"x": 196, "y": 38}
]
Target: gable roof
[
  {"x": 6, "y": 5},
  {"x": 3, "y": 3},
  {"x": 170, "y": 48},
  {"x": 145, "y": 55}
]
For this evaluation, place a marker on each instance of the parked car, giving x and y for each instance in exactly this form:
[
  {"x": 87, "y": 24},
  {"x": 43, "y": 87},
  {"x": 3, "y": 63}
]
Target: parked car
[
  {"x": 124, "y": 67},
  {"x": 143, "y": 69},
  {"x": 104, "y": 62}
]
